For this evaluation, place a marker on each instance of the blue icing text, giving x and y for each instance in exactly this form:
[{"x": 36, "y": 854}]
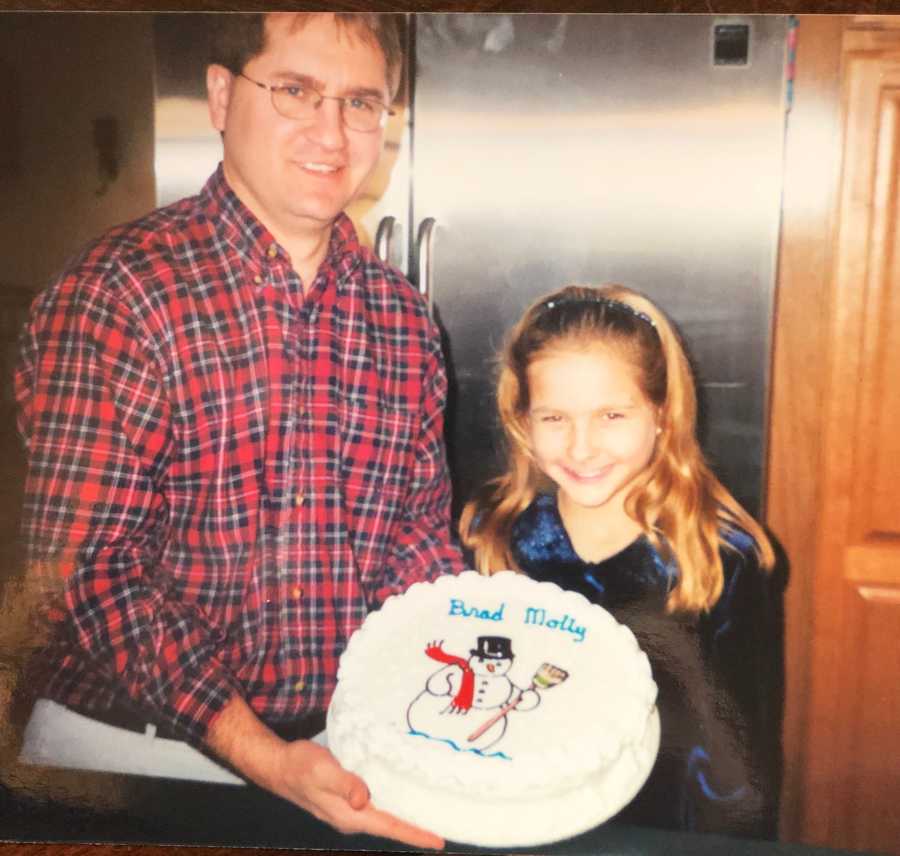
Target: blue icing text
[
  {"x": 538, "y": 615},
  {"x": 458, "y": 607}
]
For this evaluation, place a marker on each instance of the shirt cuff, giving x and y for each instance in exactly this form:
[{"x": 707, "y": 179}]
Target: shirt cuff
[{"x": 199, "y": 699}]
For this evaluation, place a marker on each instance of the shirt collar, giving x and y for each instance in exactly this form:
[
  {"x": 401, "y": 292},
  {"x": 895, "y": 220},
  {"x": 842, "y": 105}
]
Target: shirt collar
[
  {"x": 344, "y": 251},
  {"x": 233, "y": 220},
  {"x": 541, "y": 530},
  {"x": 239, "y": 227},
  {"x": 541, "y": 525}
]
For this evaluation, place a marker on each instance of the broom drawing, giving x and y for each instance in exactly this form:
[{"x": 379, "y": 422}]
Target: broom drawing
[{"x": 546, "y": 677}]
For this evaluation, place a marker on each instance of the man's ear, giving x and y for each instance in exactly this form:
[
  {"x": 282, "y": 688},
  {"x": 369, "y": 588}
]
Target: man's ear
[{"x": 219, "y": 81}]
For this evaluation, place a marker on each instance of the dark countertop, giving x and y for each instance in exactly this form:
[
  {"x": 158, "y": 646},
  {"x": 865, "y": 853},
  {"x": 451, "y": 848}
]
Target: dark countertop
[{"x": 105, "y": 808}]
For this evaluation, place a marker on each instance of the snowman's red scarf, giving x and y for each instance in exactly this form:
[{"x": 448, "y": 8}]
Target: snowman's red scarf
[{"x": 463, "y": 699}]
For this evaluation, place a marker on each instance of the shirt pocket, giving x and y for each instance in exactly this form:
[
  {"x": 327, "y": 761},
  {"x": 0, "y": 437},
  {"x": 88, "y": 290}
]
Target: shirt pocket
[{"x": 377, "y": 459}]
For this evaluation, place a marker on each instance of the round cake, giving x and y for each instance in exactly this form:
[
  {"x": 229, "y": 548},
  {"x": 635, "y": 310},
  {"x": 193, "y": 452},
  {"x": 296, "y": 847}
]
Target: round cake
[{"x": 495, "y": 711}]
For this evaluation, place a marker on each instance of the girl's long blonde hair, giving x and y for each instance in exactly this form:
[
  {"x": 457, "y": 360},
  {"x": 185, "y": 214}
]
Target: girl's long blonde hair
[{"x": 678, "y": 502}]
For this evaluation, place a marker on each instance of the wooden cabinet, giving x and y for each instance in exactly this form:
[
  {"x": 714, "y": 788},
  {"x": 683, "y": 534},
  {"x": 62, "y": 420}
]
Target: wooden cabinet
[{"x": 835, "y": 417}]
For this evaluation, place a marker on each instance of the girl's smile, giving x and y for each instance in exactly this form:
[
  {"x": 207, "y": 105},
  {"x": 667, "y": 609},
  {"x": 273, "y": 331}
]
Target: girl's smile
[{"x": 588, "y": 477}]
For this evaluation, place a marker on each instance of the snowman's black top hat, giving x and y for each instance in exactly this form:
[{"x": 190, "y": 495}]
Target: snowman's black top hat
[{"x": 493, "y": 647}]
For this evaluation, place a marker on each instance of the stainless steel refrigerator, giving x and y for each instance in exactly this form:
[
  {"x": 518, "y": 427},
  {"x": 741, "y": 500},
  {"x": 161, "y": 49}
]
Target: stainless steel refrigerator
[{"x": 536, "y": 150}]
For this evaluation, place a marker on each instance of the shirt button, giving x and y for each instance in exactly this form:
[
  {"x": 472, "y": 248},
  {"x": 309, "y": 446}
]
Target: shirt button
[
  {"x": 258, "y": 279},
  {"x": 299, "y": 685},
  {"x": 272, "y": 251},
  {"x": 299, "y": 499},
  {"x": 297, "y": 592}
]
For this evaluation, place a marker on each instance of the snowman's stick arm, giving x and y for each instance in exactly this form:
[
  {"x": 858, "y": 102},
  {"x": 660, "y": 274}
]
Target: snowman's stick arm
[{"x": 495, "y": 718}]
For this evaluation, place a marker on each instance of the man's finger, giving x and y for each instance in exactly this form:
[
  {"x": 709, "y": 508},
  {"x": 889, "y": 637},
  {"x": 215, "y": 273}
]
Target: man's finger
[{"x": 375, "y": 822}]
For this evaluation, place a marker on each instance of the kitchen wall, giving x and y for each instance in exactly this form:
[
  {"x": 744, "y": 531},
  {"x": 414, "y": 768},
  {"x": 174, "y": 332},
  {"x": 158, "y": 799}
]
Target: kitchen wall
[
  {"x": 65, "y": 76},
  {"x": 76, "y": 155}
]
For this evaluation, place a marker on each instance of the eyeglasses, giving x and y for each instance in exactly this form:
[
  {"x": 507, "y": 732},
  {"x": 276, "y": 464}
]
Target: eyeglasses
[{"x": 299, "y": 102}]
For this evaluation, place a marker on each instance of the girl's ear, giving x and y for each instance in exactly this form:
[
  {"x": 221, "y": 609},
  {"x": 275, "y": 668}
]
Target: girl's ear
[{"x": 219, "y": 81}]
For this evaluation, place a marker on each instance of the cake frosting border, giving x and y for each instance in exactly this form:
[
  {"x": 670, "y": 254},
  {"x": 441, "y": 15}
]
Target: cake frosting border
[
  {"x": 386, "y": 745},
  {"x": 528, "y": 821}
]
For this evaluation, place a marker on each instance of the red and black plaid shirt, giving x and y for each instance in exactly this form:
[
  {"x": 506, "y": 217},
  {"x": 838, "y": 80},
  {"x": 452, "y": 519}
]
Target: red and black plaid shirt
[{"x": 227, "y": 475}]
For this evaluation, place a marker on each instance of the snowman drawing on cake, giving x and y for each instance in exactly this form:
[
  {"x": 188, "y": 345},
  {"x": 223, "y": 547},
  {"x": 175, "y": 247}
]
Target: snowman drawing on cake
[{"x": 468, "y": 700}]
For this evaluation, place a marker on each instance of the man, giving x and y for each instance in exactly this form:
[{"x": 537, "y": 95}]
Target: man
[{"x": 233, "y": 415}]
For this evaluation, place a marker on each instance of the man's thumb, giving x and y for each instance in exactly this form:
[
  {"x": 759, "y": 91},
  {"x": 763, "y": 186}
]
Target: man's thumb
[{"x": 357, "y": 793}]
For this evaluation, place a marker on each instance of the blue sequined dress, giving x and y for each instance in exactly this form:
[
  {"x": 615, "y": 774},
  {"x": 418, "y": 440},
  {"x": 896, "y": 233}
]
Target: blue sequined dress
[{"x": 717, "y": 673}]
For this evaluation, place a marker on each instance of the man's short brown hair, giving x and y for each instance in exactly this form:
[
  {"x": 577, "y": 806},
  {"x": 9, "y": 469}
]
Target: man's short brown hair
[{"x": 237, "y": 37}]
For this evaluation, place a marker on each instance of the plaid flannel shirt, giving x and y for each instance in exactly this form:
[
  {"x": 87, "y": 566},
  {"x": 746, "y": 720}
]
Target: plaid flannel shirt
[{"x": 226, "y": 476}]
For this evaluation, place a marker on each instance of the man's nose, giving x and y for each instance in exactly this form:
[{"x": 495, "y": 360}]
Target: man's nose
[{"x": 327, "y": 128}]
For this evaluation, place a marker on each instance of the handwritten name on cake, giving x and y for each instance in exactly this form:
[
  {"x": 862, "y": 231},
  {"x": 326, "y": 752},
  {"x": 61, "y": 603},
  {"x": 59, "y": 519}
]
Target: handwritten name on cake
[{"x": 533, "y": 615}]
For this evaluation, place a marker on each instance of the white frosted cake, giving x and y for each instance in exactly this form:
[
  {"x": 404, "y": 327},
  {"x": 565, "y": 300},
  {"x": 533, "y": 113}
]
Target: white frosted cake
[{"x": 495, "y": 711}]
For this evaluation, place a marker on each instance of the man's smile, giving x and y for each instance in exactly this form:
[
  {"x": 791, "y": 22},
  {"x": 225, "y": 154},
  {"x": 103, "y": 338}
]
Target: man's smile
[{"x": 320, "y": 168}]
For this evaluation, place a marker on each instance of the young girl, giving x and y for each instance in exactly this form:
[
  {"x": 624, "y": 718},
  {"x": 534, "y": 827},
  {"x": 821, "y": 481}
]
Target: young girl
[{"x": 607, "y": 493}]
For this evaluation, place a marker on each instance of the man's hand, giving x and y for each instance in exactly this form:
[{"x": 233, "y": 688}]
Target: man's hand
[
  {"x": 314, "y": 780},
  {"x": 307, "y": 775}
]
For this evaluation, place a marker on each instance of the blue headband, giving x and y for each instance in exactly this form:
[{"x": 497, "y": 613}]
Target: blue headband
[{"x": 607, "y": 302}]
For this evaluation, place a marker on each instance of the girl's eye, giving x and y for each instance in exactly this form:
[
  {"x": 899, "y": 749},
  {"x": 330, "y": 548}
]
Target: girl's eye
[
  {"x": 612, "y": 416},
  {"x": 551, "y": 418}
]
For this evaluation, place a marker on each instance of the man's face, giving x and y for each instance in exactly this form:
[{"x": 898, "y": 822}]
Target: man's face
[{"x": 298, "y": 176}]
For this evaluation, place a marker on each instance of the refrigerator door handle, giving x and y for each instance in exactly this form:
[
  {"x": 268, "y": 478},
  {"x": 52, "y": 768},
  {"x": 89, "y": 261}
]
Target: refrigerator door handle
[
  {"x": 424, "y": 253},
  {"x": 384, "y": 239}
]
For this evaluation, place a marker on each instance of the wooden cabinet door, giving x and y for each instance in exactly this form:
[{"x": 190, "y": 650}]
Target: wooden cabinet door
[{"x": 852, "y": 781}]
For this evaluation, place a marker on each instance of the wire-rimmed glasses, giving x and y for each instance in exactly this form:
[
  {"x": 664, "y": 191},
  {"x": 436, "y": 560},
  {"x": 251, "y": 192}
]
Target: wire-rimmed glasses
[{"x": 300, "y": 101}]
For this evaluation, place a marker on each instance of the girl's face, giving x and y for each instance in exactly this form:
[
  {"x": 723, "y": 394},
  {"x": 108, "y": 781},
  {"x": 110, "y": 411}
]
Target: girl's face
[{"x": 591, "y": 428}]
